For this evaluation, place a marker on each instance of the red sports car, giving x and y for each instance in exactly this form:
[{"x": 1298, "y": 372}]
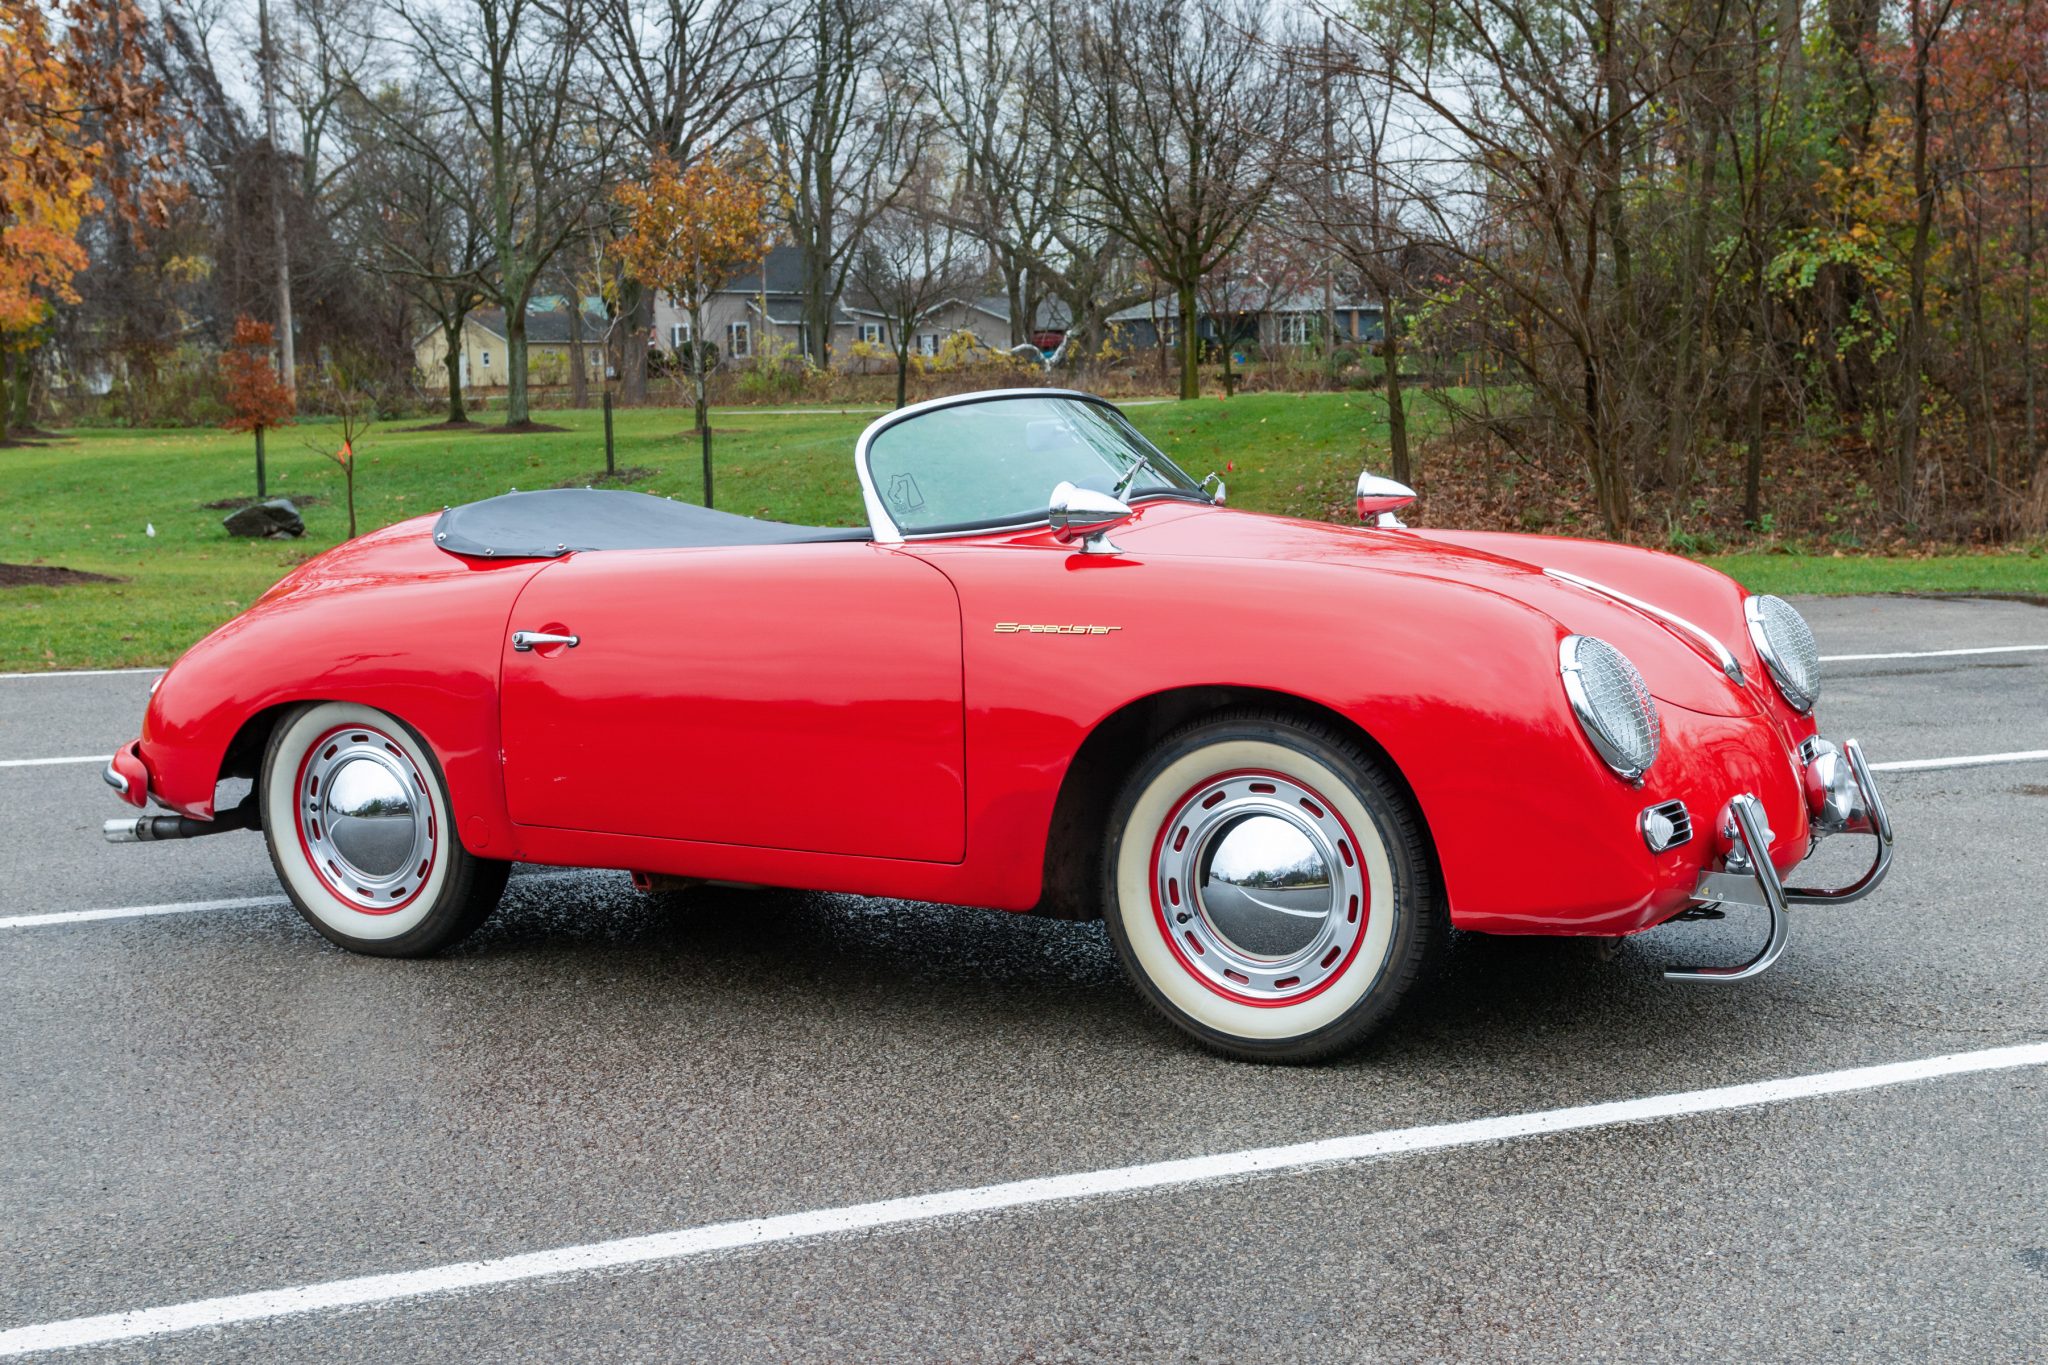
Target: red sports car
[{"x": 1053, "y": 674}]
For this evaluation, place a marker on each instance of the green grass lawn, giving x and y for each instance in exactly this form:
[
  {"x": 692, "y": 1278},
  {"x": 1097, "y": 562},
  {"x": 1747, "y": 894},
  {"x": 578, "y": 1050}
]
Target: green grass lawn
[{"x": 84, "y": 503}]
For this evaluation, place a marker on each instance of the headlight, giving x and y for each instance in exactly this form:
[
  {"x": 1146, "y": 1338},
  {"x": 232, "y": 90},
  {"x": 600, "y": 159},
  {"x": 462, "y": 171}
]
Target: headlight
[
  {"x": 1786, "y": 642},
  {"x": 1612, "y": 703}
]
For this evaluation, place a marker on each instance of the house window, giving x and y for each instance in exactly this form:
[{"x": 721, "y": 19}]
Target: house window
[
  {"x": 738, "y": 340},
  {"x": 678, "y": 333},
  {"x": 487, "y": 360},
  {"x": 928, "y": 344},
  {"x": 1298, "y": 329},
  {"x": 871, "y": 332}
]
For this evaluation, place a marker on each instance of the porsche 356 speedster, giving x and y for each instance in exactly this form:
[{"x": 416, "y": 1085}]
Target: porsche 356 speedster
[{"x": 1054, "y": 673}]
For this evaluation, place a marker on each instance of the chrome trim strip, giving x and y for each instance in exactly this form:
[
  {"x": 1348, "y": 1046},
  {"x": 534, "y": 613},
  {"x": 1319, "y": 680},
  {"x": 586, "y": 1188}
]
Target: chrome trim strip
[
  {"x": 114, "y": 779},
  {"x": 1751, "y": 834},
  {"x": 1730, "y": 665},
  {"x": 884, "y": 527}
]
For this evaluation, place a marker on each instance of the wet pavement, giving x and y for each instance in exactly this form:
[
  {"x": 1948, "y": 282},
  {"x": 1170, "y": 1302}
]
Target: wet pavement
[{"x": 217, "y": 1102}]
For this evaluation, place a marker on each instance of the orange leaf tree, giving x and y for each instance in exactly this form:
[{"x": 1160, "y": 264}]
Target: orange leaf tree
[
  {"x": 256, "y": 397},
  {"x": 690, "y": 232},
  {"x": 78, "y": 108}
]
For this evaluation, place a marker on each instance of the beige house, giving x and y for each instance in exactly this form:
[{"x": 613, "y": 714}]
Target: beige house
[{"x": 484, "y": 364}]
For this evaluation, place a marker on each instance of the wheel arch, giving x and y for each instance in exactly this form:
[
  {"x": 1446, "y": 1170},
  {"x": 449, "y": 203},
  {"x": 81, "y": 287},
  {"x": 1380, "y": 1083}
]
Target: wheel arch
[{"x": 1088, "y": 790}]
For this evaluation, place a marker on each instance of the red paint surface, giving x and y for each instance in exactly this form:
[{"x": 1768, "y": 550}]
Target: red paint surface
[{"x": 845, "y": 716}]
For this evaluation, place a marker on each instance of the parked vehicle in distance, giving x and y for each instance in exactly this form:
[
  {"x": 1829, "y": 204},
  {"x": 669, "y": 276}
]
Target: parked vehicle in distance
[{"x": 1053, "y": 674}]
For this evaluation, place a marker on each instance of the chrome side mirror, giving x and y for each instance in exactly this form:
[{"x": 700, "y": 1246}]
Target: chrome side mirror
[
  {"x": 1084, "y": 514},
  {"x": 1380, "y": 498},
  {"x": 1213, "y": 485}
]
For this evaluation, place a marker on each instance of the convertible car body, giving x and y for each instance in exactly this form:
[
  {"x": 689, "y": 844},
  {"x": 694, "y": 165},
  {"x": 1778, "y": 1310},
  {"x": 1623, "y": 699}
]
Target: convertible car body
[{"x": 1053, "y": 674}]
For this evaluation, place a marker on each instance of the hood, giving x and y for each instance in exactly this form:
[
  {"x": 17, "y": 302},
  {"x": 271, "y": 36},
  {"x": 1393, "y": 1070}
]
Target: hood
[{"x": 1678, "y": 669}]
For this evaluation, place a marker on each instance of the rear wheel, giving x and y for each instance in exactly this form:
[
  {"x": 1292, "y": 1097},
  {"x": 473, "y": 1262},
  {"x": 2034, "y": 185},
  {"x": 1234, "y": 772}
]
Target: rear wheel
[
  {"x": 357, "y": 817},
  {"x": 1268, "y": 889}
]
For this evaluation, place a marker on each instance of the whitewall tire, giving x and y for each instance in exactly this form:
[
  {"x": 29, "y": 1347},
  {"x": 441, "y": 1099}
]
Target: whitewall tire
[
  {"x": 1269, "y": 888},
  {"x": 357, "y": 817}
]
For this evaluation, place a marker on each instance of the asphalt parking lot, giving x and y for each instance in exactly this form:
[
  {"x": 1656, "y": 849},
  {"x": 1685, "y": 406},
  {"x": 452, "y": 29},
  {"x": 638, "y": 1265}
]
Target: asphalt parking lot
[{"x": 207, "y": 1100}]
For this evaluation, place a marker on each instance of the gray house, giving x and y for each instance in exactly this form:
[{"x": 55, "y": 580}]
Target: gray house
[
  {"x": 1287, "y": 320},
  {"x": 769, "y": 302}
]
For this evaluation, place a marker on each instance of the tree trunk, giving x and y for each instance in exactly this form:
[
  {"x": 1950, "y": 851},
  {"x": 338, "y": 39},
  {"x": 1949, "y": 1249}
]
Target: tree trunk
[
  {"x": 452, "y": 330},
  {"x": 2031, "y": 447},
  {"x": 902, "y": 365},
  {"x": 262, "y": 486},
  {"x": 7, "y": 382},
  {"x": 1190, "y": 343},
  {"x": 1913, "y": 355},
  {"x": 287, "y": 360},
  {"x": 579, "y": 375},
  {"x": 1020, "y": 304},
  {"x": 702, "y": 402},
  {"x": 515, "y": 365},
  {"x": 636, "y": 306},
  {"x": 1397, "y": 412},
  {"x": 1753, "y": 455},
  {"x": 1695, "y": 310}
]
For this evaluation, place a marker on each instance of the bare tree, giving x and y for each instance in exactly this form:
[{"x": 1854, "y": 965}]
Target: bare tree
[
  {"x": 512, "y": 71},
  {"x": 981, "y": 60},
  {"x": 682, "y": 78},
  {"x": 1180, "y": 115},
  {"x": 429, "y": 234},
  {"x": 846, "y": 128},
  {"x": 913, "y": 258}
]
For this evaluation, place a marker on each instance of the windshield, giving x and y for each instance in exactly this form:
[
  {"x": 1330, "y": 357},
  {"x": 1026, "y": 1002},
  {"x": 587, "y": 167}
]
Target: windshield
[{"x": 995, "y": 461}]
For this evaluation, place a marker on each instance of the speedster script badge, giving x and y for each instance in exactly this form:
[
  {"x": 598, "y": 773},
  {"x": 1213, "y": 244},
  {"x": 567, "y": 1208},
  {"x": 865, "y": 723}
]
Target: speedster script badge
[{"x": 1013, "y": 628}]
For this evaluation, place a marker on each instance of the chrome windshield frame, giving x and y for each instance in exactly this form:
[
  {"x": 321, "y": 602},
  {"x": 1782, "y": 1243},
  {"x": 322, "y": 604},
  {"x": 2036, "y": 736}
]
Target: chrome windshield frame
[{"x": 884, "y": 527}]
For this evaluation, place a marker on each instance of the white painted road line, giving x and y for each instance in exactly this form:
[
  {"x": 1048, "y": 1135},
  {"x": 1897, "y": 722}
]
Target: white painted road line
[
  {"x": 748, "y": 1233},
  {"x": 79, "y": 673},
  {"x": 137, "y": 911},
  {"x": 1908, "y": 765},
  {"x": 100, "y": 759},
  {"x": 1932, "y": 653},
  {"x": 239, "y": 903}
]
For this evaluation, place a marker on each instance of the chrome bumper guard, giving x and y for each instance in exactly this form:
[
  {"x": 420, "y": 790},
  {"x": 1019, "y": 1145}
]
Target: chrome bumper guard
[{"x": 1757, "y": 882}]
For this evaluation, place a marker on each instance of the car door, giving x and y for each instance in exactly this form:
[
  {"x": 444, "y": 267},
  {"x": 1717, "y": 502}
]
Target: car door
[{"x": 803, "y": 697}]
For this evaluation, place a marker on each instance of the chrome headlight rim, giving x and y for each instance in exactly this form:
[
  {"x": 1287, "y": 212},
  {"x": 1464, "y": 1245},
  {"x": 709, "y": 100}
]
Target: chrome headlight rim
[
  {"x": 1797, "y": 696},
  {"x": 1629, "y": 766}
]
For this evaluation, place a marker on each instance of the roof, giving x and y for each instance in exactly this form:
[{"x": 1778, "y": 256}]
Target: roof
[
  {"x": 780, "y": 272},
  {"x": 1052, "y": 312},
  {"x": 544, "y": 328}
]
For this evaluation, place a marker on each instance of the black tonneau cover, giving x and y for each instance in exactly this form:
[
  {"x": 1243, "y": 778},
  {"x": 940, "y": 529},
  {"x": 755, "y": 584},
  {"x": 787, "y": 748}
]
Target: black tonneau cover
[{"x": 555, "y": 521}]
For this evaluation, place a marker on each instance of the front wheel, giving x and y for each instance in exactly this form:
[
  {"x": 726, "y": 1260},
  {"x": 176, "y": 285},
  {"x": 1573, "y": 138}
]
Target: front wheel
[
  {"x": 1268, "y": 889},
  {"x": 357, "y": 817}
]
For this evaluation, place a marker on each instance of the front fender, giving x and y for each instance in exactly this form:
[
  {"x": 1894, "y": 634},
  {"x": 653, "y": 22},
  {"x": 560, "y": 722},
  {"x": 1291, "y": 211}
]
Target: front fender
[{"x": 386, "y": 621}]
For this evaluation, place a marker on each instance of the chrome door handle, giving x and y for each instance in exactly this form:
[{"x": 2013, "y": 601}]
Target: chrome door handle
[{"x": 524, "y": 640}]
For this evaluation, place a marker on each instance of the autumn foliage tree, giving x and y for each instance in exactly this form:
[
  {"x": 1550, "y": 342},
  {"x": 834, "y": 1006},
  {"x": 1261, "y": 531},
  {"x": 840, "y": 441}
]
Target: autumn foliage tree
[
  {"x": 76, "y": 105},
  {"x": 690, "y": 232},
  {"x": 257, "y": 399}
]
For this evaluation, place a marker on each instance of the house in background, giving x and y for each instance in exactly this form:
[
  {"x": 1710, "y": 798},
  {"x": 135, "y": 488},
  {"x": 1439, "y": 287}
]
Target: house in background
[
  {"x": 1286, "y": 320},
  {"x": 986, "y": 317},
  {"x": 769, "y": 301},
  {"x": 484, "y": 365}
]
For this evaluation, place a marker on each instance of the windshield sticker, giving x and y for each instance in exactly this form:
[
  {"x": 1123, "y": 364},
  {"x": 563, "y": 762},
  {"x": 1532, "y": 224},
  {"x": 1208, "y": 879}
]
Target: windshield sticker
[{"x": 903, "y": 494}]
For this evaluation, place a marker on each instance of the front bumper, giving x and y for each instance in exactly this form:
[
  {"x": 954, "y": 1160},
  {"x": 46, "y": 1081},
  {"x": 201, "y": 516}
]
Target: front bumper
[
  {"x": 1845, "y": 800},
  {"x": 128, "y": 775}
]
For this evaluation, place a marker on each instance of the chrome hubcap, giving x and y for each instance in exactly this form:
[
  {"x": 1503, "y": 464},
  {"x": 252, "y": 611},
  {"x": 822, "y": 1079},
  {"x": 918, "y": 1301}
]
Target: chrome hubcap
[
  {"x": 1260, "y": 887},
  {"x": 366, "y": 820}
]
